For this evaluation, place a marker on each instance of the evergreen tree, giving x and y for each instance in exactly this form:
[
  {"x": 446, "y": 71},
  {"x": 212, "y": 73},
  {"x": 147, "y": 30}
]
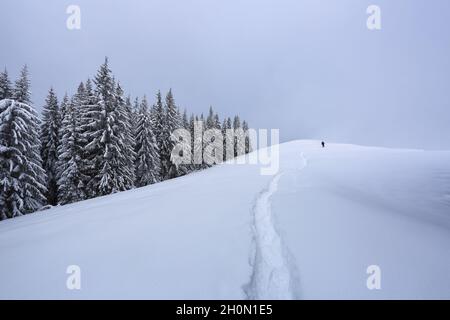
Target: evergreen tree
[
  {"x": 171, "y": 123},
  {"x": 224, "y": 135},
  {"x": 238, "y": 138},
  {"x": 107, "y": 136},
  {"x": 197, "y": 139},
  {"x": 248, "y": 147},
  {"x": 126, "y": 142},
  {"x": 192, "y": 167},
  {"x": 229, "y": 138},
  {"x": 88, "y": 113},
  {"x": 203, "y": 143},
  {"x": 132, "y": 112},
  {"x": 63, "y": 106},
  {"x": 71, "y": 180},
  {"x": 49, "y": 137},
  {"x": 147, "y": 161},
  {"x": 216, "y": 122},
  {"x": 158, "y": 123},
  {"x": 21, "y": 92},
  {"x": 5, "y": 86},
  {"x": 22, "y": 178},
  {"x": 185, "y": 121},
  {"x": 210, "y": 119}
]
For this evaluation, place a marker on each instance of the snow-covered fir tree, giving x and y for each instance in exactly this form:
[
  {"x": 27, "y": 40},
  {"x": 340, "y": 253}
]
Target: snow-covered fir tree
[
  {"x": 89, "y": 115},
  {"x": 197, "y": 129},
  {"x": 248, "y": 147},
  {"x": 229, "y": 139},
  {"x": 5, "y": 85},
  {"x": 186, "y": 168},
  {"x": 239, "y": 144},
  {"x": 22, "y": 178},
  {"x": 212, "y": 122},
  {"x": 49, "y": 138},
  {"x": 107, "y": 141},
  {"x": 132, "y": 112},
  {"x": 210, "y": 119},
  {"x": 158, "y": 118},
  {"x": 171, "y": 122},
  {"x": 63, "y": 106},
  {"x": 71, "y": 181},
  {"x": 126, "y": 143},
  {"x": 147, "y": 155}
]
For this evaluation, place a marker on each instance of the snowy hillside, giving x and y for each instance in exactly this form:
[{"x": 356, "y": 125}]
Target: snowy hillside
[{"x": 228, "y": 232}]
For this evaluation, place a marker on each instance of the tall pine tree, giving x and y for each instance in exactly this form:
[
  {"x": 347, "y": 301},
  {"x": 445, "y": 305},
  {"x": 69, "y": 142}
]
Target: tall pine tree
[
  {"x": 71, "y": 180},
  {"x": 49, "y": 137},
  {"x": 171, "y": 123},
  {"x": 5, "y": 86},
  {"x": 22, "y": 178},
  {"x": 107, "y": 136},
  {"x": 147, "y": 156}
]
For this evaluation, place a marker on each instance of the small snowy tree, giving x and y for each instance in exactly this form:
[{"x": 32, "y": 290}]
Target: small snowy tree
[{"x": 49, "y": 136}]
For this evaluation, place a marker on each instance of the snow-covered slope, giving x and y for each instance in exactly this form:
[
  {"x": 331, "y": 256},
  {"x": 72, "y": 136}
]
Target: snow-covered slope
[{"x": 309, "y": 231}]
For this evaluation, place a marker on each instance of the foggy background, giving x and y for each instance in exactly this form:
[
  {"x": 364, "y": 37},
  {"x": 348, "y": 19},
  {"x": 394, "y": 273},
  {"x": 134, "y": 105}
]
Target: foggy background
[{"x": 308, "y": 67}]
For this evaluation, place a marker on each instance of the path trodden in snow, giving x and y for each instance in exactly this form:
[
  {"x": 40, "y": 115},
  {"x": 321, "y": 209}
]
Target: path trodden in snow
[{"x": 271, "y": 277}]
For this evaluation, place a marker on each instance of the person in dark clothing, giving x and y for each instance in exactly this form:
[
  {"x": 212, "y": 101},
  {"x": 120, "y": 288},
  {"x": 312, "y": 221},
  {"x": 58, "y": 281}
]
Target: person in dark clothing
[{"x": 323, "y": 144}]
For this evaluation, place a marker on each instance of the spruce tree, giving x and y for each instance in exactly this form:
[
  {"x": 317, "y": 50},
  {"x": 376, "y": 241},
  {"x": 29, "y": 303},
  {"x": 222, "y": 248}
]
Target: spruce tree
[
  {"x": 126, "y": 142},
  {"x": 224, "y": 135},
  {"x": 21, "y": 91},
  {"x": 197, "y": 157},
  {"x": 5, "y": 86},
  {"x": 71, "y": 180},
  {"x": 171, "y": 123},
  {"x": 238, "y": 138},
  {"x": 147, "y": 156},
  {"x": 108, "y": 137},
  {"x": 158, "y": 122},
  {"x": 63, "y": 106},
  {"x": 49, "y": 137},
  {"x": 210, "y": 119},
  {"x": 248, "y": 147},
  {"x": 22, "y": 178},
  {"x": 89, "y": 114}
]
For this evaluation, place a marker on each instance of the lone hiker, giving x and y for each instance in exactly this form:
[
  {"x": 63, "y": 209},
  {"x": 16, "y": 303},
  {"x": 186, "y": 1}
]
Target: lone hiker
[{"x": 323, "y": 144}]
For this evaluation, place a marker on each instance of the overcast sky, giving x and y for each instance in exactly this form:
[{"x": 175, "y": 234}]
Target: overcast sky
[{"x": 308, "y": 67}]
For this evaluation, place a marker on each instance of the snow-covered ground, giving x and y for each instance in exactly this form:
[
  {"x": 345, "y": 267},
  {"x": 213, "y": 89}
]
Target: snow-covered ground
[{"x": 309, "y": 231}]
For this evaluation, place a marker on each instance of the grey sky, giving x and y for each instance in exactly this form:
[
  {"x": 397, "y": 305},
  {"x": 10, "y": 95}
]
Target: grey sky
[{"x": 308, "y": 67}]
